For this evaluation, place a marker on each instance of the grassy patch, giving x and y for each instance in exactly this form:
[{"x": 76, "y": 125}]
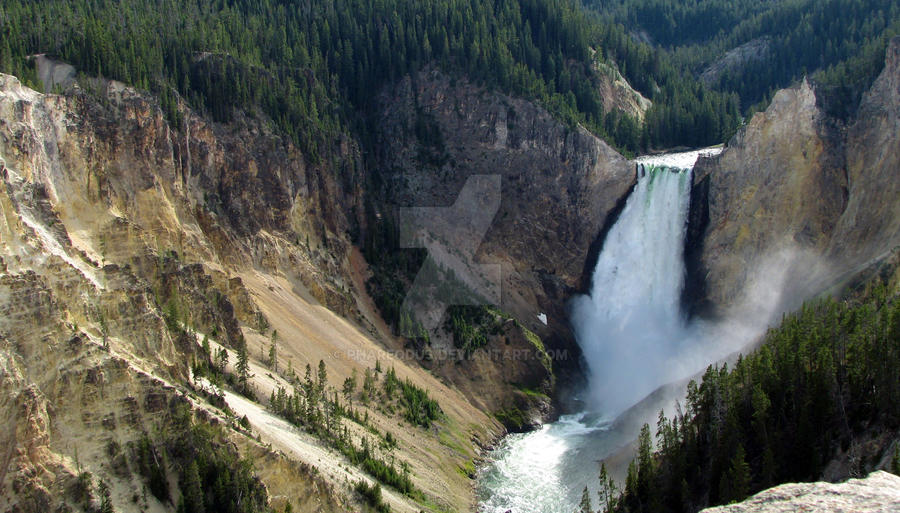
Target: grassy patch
[
  {"x": 467, "y": 469},
  {"x": 530, "y": 392},
  {"x": 539, "y": 345},
  {"x": 448, "y": 440},
  {"x": 513, "y": 418}
]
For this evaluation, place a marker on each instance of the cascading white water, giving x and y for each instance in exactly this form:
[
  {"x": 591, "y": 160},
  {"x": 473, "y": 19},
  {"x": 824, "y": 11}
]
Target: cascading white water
[
  {"x": 629, "y": 328},
  {"x": 631, "y": 323}
]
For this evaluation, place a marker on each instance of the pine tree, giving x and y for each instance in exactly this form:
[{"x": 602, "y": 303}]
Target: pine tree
[
  {"x": 243, "y": 366},
  {"x": 631, "y": 486},
  {"x": 368, "y": 383},
  {"x": 350, "y": 387},
  {"x": 308, "y": 386},
  {"x": 222, "y": 360},
  {"x": 322, "y": 377},
  {"x": 736, "y": 482},
  {"x": 390, "y": 383},
  {"x": 645, "y": 457},
  {"x": 192, "y": 490},
  {"x": 5, "y": 56},
  {"x": 273, "y": 355},
  {"x": 585, "y": 505},
  {"x": 607, "y": 492}
]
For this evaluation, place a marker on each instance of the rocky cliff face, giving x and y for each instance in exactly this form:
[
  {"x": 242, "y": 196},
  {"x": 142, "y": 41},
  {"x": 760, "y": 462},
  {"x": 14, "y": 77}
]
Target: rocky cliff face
[
  {"x": 736, "y": 58},
  {"x": 878, "y": 493},
  {"x": 796, "y": 200},
  {"x": 558, "y": 186},
  {"x": 558, "y": 183},
  {"x": 106, "y": 214},
  {"x": 617, "y": 94},
  {"x": 125, "y": 239},
  {"x": 870, "y": 224},
  {"x": 123, "y": 242},
  {"x": 124, "y": 185}
]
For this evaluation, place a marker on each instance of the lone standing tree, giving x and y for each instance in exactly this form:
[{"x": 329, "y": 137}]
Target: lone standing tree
[
  {"x": 350, "y": 387},
  {"x": 243, "y": 366},
  {"x": 273, "y": 352}
]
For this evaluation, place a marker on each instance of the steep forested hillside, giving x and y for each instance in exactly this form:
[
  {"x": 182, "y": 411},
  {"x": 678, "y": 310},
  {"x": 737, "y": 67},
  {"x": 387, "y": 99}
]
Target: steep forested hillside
[
  {"x": 826, "y": 378},
  {"x": 312, "y": 66},
  {"x": 842, "y": 41}
]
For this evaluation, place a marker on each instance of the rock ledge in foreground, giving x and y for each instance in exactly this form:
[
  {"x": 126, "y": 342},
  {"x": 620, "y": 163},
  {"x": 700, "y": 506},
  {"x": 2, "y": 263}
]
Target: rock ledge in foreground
[{"x": 878, "y": 493}]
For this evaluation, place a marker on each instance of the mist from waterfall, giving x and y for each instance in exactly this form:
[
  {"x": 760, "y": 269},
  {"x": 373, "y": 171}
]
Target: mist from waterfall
[
  {"x": 635, "y": 339},
  {"x": 630, "y": 327}
]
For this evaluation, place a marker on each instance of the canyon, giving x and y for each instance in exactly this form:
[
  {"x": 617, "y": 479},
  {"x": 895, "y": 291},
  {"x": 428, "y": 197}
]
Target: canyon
[{"x": 111, "y": 219}]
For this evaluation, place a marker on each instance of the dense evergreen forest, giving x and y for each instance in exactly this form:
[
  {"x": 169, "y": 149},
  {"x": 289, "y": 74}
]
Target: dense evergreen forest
[
  {"x": 829, "y": 374},
  {"x": 840, "y": 43},
  {"x": 313, "y": 66}
]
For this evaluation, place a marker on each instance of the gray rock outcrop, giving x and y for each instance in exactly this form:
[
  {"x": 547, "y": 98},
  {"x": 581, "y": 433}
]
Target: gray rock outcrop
[
  {"x": 877, "y": 493},
  {"x": 558, "y": 183}
]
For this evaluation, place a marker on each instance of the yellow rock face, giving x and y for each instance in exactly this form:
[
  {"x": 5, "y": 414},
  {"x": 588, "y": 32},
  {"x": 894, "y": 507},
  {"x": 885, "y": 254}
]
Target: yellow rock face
[{"x": 109, "y": 219}]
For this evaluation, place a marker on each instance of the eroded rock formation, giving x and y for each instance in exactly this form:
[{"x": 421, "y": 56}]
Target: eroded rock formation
[{"x": 797, "y": 200}]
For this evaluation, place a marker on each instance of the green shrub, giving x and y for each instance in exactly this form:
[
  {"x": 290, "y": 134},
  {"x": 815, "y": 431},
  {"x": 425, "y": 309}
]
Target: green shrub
[{"x": 372, "y": 496}]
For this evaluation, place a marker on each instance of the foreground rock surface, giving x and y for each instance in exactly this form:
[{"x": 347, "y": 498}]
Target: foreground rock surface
[{"x": 877, "y": 493}]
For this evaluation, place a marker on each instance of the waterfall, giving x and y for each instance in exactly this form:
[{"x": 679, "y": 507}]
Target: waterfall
[
  {"x": 634, "y": 338},
  {"x": 631, "y": 323}
]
